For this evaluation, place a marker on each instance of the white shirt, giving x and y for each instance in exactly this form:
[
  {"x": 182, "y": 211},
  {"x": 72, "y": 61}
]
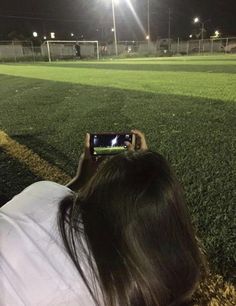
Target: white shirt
[{"x": 35, "y": 269}]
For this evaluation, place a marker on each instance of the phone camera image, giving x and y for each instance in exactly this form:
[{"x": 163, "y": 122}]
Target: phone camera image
[{"x": 109, "y": 144}]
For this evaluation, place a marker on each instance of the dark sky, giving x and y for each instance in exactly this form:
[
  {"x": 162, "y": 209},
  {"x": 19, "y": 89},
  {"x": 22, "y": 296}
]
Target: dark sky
[{"x": 93, "y": 19}]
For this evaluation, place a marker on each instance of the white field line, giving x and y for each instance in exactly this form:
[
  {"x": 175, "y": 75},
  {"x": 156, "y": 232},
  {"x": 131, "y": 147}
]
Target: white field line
[{"x": 33, "y": 161}]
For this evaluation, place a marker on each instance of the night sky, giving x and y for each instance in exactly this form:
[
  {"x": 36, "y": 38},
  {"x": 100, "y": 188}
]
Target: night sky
[{"x": 93, "y": 19}]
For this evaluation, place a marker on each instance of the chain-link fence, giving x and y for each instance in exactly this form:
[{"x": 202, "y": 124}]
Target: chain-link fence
[
  {"x": 211, "y": 46},
  {"x": 166, "y": 47},
  {"x": 15, "y": 51}
]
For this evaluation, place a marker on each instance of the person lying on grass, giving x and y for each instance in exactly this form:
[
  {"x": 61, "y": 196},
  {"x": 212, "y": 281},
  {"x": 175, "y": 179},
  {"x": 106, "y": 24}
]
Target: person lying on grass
[{"x": 118, "y": 234}]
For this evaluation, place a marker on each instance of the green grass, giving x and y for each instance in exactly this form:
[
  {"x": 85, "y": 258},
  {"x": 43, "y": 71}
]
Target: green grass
[
  {"x": 186, "y": 107},
  {"x": 156, "y": 76},
  {"x": 10, "y": 168},
  {"x": 107, "y": 151}
]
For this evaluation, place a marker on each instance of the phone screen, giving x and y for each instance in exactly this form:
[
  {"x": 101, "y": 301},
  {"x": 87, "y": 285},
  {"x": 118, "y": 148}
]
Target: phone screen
[{"x": 108, "y": 144}]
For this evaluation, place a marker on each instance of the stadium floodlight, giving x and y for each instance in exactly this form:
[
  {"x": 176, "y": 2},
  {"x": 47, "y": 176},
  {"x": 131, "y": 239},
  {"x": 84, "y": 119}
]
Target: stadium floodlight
[
  {"x": 196, "y": 20},
  {"x": 45, "y": 37},
  {"x": 217, "y": 33},
  {"x": 52, "y": 35},
  {"x": 191, "y": 35},
  {"x": 72, "y": 34},
  {"x": 35, "y": 34},
  {"x": 112, "y": 30},
  {"x": 147, "y": 37},
  {"x": 129, "y": 4}
]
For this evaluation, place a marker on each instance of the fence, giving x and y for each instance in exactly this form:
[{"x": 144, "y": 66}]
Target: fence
[
  {"x": 176, "y": 47},
  {"x": 213, "y": 45},
  {"x": 18, "y": 51},
  {"x": 25, "y": 51}
]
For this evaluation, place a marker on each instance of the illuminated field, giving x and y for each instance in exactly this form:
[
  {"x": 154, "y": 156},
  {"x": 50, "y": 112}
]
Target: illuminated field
[
  {"x": 104, "y": 151},
  {"x": 185, "y": 106}
]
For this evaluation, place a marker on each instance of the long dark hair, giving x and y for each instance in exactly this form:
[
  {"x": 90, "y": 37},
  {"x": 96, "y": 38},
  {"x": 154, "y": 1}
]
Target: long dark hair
[{"x": 130, "y": 225}]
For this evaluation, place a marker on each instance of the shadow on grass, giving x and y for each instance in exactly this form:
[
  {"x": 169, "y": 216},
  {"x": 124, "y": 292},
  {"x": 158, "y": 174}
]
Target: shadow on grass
[
  {"x": 14, "y": 177},
  {"x": 195, "y": 134},
  {"x": 45, "y": 150}
]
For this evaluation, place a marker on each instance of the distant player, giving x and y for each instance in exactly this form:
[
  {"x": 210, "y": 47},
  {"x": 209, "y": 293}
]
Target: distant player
[{"x": 77, "y": 50}]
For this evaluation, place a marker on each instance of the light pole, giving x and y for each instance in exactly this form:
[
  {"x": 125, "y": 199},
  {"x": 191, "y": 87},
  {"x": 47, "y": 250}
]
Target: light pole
[
  {"x": 114, "y": 26},
  {"x": 148, "y": 22},
  {"x": 197, "y": 20},
  {"x": 169, "y": 29}
]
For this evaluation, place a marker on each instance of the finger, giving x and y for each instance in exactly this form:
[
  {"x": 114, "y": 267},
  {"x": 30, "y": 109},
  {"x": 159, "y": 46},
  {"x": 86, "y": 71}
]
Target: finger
[
  {"x": 143, "y": 142},
  {"x": 87, "y": 145},
  {"x": 129, "y": 145}
]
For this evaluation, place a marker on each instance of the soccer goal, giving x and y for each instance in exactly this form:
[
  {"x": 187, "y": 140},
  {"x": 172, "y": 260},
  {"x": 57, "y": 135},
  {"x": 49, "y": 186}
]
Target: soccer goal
[{"x": 68, "y": 50}]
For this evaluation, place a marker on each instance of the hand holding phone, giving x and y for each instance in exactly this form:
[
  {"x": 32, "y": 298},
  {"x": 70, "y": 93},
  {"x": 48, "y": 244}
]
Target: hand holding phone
[
  {"x": 87, "y": 167},
  {"x": 98, "y": 147},
  {"x": 140, "y": 142},
  {"x": 103, "y": 144}
]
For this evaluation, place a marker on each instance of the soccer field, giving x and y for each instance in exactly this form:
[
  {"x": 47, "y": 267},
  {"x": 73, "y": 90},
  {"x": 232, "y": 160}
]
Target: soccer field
[{"x": 185, "y": 106}]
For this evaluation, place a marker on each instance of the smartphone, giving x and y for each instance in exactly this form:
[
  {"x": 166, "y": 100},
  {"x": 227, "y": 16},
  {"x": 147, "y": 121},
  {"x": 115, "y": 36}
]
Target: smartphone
[{"x": 109, "y": 143}]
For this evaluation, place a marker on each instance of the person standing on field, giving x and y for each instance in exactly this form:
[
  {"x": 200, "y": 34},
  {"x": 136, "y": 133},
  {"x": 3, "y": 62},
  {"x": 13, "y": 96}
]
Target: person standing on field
[{"x": 77, "y": 50}]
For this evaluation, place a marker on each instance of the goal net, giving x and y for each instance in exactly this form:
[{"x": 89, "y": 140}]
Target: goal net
[{"x": 70, "y": 50}]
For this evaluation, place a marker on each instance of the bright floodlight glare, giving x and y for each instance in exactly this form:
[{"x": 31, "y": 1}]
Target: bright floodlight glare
[
  {"x": 71, "y": 34},
  {"x": 196, "y": 20},
  {"x": 112, "y": 29},
  {"x": 52, "y": 35},
  {"x": 217, "y": 33},
  {"x": 35, "y": 34},
  {"x": 191, "y": 35},
  {"x": 147, "y": 37},
  {"x": 136, "y": 17},
  {"x": 45, "y": 37}
]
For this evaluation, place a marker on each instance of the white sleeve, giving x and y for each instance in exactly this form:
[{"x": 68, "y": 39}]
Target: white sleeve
[
  {"x": 36, "y": 200},
  {"x": 35, "y": 269}
]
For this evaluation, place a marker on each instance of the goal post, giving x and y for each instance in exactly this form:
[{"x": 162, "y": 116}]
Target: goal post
[{"x": 66, "y": 49}]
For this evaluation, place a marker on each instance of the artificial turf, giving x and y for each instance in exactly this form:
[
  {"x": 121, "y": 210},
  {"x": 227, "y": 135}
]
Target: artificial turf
[{"x": 185, "y": 106}]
